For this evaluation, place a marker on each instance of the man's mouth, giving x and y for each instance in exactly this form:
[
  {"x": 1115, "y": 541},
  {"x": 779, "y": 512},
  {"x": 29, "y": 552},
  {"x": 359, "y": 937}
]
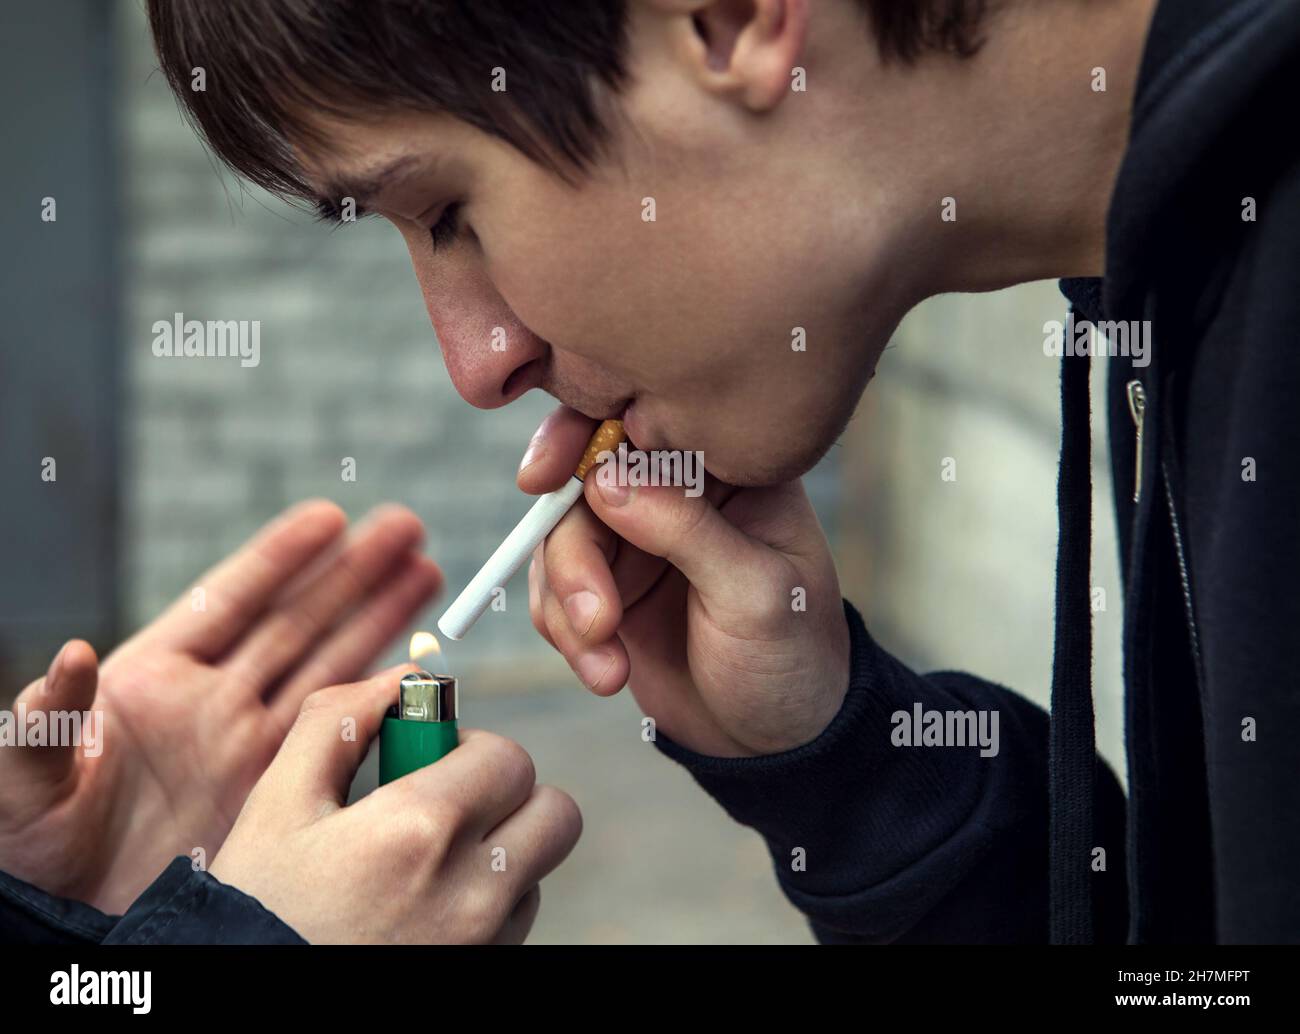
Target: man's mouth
[
  {"x": 595, "y": 408},
  {"x": 579, "y": 390},
  {"x": 616, "y": 412},
  {"x": 624, "y": 410}
]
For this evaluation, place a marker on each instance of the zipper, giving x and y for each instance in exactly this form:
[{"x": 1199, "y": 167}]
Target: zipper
[
  {"x": 1137, "y": 407},
  {"x": 1189, "y": 611}
]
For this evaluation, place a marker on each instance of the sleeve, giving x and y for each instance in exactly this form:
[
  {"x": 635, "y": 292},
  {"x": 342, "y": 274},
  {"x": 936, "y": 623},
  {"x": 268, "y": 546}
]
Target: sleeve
[
  {"x": 184, "y": 906},
  {"x": 882, "y": 843},
  {"x": 29, "y": 915}
]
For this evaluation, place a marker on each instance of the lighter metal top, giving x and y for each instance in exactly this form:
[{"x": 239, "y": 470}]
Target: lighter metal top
[{"x": 428, "y": 698}]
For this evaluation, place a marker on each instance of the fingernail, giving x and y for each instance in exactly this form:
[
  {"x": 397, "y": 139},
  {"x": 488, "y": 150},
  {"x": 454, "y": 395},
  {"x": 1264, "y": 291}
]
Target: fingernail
[
  {"x": 531, "y": 455},
  {"x": 582, "y": 608},
  {"x": 592, "y": 667},
  {"x": 612, "y": 492}
]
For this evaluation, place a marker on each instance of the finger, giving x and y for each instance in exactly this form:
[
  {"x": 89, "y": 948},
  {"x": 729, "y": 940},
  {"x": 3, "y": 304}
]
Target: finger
[
  {"x": 536, "y": 574},
  {"x": 603, "y": 667},
  {"x": 222, "y": 603},
  {"x": 68, "y": 686},
  {"x": 554, "y": 451},
  {"x": 577, "y": 556},
  {"x": 637, "y": 573},
  {"x": 779, "y": 516},
  {"x": 365, "y": 634},
  {"x": 485, "y": 779},
  {"x": 521, "y": 918},
  {"x": 327, "y": 743},
  {"x": 538, "y": 836},
  {"x": 726, "y": 566},
  {"x": 310, "y": 609}
]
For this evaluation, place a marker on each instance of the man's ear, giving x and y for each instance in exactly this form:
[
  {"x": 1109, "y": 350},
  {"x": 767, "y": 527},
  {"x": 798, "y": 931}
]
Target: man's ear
[{"x": 742, "y": 48}]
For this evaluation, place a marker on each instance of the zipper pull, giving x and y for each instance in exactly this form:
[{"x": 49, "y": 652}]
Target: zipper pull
[{"x": 1137, "y": 407}]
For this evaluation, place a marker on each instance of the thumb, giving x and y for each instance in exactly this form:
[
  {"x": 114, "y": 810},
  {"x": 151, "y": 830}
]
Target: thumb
[
  {"x": 723, "y": 563},
  {"x": 554, "y": 451},
  {"x": 335, "y": 726},
  {"x": 69, "y": 685}
]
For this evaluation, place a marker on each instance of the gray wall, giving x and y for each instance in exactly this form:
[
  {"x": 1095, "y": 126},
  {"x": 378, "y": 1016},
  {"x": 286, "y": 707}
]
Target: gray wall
[
  {"x": 962, "y": 573},
  {"x": 58, "y": 348}
]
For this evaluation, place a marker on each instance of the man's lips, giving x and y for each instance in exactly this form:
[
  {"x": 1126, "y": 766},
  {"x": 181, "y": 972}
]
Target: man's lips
[
  {"x": 636, "y": 431},
  {"x": 627, "y": 410},
  {"x": 615, "y": 412}
]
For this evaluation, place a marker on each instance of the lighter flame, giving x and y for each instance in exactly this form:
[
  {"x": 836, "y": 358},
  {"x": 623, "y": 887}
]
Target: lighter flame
[{"x": 424, "y": 644}]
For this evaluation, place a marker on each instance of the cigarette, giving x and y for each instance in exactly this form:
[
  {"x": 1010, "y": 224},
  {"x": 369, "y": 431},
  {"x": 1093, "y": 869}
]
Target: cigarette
[{"x": 518, "y": 546}]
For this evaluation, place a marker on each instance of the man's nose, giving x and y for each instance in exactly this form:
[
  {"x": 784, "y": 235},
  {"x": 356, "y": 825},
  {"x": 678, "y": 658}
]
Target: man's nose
[
  {"x": 491, "y": 355},
  {"x": 491, "y": 364}
]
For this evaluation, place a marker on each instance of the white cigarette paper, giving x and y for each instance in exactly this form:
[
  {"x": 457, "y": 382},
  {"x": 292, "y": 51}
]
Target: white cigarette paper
[
  {"x": 518, "y": 546},
  {"x": 527, "y": 536}
]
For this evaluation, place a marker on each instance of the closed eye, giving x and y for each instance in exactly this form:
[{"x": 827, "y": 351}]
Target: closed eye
[{"x": 331, "y": 211}]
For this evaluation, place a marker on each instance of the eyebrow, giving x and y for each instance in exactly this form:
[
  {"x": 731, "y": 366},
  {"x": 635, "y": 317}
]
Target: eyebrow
[{"x": 362, "y": 188}]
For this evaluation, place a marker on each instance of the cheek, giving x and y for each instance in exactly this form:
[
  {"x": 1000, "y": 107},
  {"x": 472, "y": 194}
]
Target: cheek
[
  {"x": 699, "y": 303},
  {"x": 563, "y": 266},
  {"x": 658, "y": 300}
]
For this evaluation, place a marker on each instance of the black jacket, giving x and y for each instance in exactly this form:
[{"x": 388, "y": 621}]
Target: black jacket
[
  {"x": 924, "y": 844},
  {"x": 182, "y": 906}
]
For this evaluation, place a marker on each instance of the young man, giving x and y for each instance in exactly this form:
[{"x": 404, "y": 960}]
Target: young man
[{"x": 650, "y": 196}]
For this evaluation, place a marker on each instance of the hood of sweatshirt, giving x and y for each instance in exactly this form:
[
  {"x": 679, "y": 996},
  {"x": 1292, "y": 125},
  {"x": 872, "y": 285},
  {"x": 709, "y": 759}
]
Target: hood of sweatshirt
[{"x": 1218, "y": 81}]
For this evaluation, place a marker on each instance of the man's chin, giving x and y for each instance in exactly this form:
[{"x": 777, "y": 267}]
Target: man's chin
[
  {"x": 758, "y": 471},
  {"x": 753, "y": 463}
]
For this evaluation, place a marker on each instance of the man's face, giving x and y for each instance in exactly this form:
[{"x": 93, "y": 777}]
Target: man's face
[{"x": 669, "y": 285}]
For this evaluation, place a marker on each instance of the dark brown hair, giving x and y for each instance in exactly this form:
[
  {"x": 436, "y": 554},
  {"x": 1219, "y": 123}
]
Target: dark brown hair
[{"x": 268, "y": 64}]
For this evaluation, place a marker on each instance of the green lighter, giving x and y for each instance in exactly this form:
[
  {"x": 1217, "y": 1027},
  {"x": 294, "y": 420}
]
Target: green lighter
[{"x": 421, "y": 727}]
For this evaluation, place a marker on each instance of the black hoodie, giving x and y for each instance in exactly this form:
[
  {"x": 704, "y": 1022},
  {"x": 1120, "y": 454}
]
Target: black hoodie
[{"x": 882, "y": 843}]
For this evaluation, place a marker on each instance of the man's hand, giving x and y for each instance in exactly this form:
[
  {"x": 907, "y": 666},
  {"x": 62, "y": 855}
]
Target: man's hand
[
  {"x": 196, "y": 705},
  {"x": 452, "y": 853},
  {"x": 722, "y": 612}
]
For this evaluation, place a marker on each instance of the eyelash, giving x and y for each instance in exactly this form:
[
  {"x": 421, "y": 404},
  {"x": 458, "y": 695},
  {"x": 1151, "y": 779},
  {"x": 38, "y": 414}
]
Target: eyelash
[{"x": 444, "y": 231}]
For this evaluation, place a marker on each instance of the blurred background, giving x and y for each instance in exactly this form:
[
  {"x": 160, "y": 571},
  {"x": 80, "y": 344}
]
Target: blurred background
[{"x": 164, "y": 467}]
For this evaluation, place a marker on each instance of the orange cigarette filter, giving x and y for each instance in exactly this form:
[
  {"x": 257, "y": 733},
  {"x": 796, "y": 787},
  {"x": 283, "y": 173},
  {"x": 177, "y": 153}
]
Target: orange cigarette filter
[{"x": 605, "y": 439}]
